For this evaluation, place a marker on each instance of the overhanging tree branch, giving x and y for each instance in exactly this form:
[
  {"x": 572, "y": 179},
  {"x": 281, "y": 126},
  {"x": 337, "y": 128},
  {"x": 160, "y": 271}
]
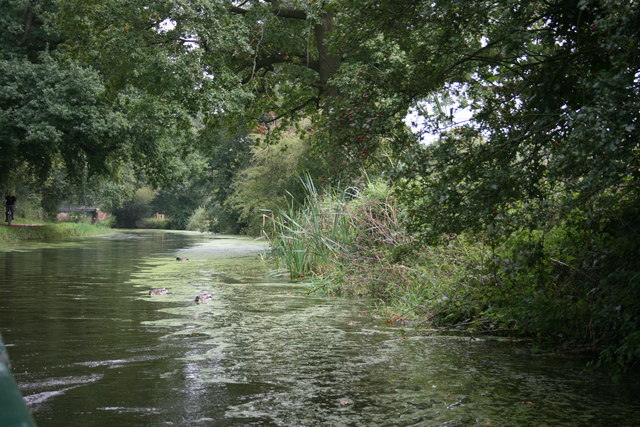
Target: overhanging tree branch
[
  {"x": 292, "y": 110},
  {"x": 281, "y": 12},
  {"x": 267, "y": 63}
]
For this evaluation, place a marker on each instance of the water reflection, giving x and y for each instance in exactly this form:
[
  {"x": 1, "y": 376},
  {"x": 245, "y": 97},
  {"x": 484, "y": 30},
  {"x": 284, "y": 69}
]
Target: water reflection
[{"x": 91, "y": 347}]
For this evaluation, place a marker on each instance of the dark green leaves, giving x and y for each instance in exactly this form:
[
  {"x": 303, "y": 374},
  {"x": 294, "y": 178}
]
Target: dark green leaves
[{"x": 50, "y": 110}]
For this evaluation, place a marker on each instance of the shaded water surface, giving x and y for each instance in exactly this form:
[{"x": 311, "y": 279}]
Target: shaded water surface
[{"x": 90, "y": 347}]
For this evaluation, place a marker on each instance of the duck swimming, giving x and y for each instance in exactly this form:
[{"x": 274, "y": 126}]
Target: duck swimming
[
  {"x": 158, "y": 291},
  {"x": 202, "y": 298}
]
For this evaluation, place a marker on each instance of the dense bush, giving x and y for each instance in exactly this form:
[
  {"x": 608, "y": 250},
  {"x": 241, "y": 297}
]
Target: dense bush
[
  {"x": 135, "y": 210},
  {"x": 272, "y": 181},
  {"x": 199, "y": 220},
  {"x": 574, "y": 284}
]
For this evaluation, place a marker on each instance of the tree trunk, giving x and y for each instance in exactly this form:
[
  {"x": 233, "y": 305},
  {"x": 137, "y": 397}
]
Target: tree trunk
[{"x": 328, "y": 62}]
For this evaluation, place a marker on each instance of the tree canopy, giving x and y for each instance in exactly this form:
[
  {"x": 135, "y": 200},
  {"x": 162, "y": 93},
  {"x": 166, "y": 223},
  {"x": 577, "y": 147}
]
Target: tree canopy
[
  {"x": 552, "y": 88},
  {"x": 56, "y": 111},
  {"x": 235, "y": 60}
]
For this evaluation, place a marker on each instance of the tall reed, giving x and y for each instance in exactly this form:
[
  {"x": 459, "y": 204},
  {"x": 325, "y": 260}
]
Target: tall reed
[{"x": 310, "y": 239}]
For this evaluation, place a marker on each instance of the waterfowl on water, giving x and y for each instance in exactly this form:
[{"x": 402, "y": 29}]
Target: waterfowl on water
[
  {"x": 202, "y": 298},
  {"x": 158, "y": 291},
  {"x": 181, "y": 259}
]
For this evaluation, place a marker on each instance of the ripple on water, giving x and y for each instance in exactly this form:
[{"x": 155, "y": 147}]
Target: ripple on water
[
  {"x": 37, "y": 398},
  {"x": 117, "y": 363},
  {"x": 126, "y": 410},
  {"x": 71, "y": 383}
]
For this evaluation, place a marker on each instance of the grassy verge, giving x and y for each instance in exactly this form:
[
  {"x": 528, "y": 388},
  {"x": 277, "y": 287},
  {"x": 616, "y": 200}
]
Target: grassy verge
[{"x": 49, "y": 231}]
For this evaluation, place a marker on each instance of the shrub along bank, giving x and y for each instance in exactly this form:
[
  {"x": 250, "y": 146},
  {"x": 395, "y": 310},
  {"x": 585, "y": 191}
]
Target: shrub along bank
[{"x": 565, "y": 286}]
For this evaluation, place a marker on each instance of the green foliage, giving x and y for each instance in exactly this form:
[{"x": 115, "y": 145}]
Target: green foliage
[
  {"x": 352, "y": 237},
  {"x": 227, "y": 156},
  {"x": 273, "y": 180},
  {"x": 574, "y": 283},
  {"x": 199, "y": 220},
  {"x": 166, "y": 51},
  {"x": 135, "y": 209},
  {"x": 28, "y": 206},
  {"x": 58, "y": 112},
  {"x": 307, "y": 240},
  {"x": 546, "y": 170},
  {"x": 25, "y": 29},
  {"x": 153, "y": 223},
  {"x": 577, "y": 280},
  {"x": 52, "y": 111},
  {"x": 237, "y": 61},
  {"x": 522, "y": 218},
  {"x": 551, "y": 87},
  {"x": 361, "y": 125},
  {"x": 234, "y": 66}
]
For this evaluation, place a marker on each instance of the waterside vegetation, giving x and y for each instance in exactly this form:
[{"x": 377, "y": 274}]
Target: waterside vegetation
[{"x": 560, "y": 286}]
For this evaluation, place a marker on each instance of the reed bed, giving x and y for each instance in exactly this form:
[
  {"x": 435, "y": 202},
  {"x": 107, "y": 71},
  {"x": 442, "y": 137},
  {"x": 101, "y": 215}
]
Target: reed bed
[{"x": 309, "y": 240}]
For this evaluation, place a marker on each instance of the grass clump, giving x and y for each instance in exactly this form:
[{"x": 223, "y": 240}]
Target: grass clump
[
  {"x": 350, "y": 239},
  {"x": 311, "y": 239}
]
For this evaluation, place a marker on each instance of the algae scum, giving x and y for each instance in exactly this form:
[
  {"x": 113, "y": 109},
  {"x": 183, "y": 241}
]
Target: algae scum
[{"x": 90, "y": 347}]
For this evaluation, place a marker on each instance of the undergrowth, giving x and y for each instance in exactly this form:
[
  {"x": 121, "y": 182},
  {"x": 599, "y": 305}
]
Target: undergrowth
[{"x": 566, "y": 286}]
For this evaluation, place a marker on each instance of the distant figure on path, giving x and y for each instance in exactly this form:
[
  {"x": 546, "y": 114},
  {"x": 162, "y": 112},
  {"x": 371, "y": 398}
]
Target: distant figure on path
[{"x": 10, "y": 206}]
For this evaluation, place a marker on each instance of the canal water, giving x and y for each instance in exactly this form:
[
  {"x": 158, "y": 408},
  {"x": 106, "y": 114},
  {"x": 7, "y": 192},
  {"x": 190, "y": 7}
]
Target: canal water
[{"x": 91, "y": 347}]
